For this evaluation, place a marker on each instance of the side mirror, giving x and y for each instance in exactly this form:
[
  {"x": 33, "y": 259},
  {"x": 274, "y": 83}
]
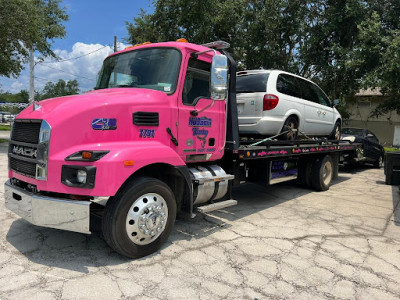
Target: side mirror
[
  {"x": 219, "y": 77},
  {"x": 336, "y": 102}
]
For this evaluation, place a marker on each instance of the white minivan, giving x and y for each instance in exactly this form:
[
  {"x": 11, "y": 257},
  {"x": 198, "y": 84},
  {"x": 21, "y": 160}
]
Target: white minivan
[{"x": 269, "y": 102}]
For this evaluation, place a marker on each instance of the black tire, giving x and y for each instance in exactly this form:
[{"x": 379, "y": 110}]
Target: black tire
[
  {"x": 290, "y": 123},
  {"x": 379, "y": 162},
  {"x": 304, "y": 173},
  {"x": 335, "y": 134},
  {"x": 136, "y": 199},
  {"x": 322, "y": 173}
]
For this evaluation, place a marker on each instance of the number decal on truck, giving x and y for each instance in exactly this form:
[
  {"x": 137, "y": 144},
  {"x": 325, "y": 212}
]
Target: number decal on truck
[{"x": 147, "y": 133}]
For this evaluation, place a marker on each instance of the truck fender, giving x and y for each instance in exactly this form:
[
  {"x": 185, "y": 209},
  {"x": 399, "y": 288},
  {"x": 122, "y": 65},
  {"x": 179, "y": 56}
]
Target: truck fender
[{"x": 153, "y": 159}]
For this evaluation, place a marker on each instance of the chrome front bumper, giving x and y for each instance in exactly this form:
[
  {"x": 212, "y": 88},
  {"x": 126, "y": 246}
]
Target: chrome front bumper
[{"x": 48, "y": 212}]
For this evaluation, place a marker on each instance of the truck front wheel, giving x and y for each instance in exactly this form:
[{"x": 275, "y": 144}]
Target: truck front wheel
[{"x": 140, "y": 217}]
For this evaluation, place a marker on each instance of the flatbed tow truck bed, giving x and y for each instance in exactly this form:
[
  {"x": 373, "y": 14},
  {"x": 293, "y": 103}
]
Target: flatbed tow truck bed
[
  {"x": 314, "y": 163},
  {"x": 273, "y": 149}
]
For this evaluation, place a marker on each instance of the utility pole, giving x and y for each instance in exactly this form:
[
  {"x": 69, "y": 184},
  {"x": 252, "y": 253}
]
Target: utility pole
[
  {"x": 115, "y": 50},
  {"x": 31, "y": 75}
]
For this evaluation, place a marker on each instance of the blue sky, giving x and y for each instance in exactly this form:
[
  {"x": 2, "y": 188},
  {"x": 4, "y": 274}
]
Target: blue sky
[{"x": 91, "y": 28}]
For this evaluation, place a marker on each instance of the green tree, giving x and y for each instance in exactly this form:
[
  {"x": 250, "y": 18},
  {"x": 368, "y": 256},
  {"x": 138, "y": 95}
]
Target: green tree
[
  {"x": 343, "y": 45},
  {"x": 28, "y": 24},
  {"x": 59, "y": 89},
  {"x": 21, "y": 97},
  {"x": 198, "y": 21},
  {"x": 379, "y": 53}
]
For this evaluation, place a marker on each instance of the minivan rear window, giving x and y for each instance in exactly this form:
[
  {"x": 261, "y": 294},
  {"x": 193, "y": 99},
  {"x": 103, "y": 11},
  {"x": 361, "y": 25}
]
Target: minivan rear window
[{"x": 251, "y": 83}]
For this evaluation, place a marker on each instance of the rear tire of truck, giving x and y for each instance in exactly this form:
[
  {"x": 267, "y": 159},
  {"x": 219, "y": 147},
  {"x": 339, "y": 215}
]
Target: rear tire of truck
[
  {"x": 322, "y": 172},
  {"x": 139, "y": 218},
  {"x": 304, "y": 173}
]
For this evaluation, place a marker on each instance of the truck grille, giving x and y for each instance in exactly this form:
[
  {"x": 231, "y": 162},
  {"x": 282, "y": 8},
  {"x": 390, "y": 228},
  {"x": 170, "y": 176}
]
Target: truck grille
[
  {"x": 26, "y": 131},
  {"x": 24, "y": 167},
  {"x": 23, "y": 147}
]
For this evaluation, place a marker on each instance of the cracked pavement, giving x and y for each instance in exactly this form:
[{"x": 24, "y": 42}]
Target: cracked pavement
[{"x": 281, "y": 242}]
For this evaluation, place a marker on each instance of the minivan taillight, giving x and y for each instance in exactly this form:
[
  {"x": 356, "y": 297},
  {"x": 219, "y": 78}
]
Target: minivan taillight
[{"x": 270, "y": 101}]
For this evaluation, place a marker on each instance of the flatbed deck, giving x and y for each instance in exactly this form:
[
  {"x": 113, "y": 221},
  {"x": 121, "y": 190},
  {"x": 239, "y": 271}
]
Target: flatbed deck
[{"x": 292, "y": 148}]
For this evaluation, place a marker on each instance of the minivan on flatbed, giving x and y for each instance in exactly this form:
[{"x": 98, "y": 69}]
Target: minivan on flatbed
[{"x": 271, "y": 102}]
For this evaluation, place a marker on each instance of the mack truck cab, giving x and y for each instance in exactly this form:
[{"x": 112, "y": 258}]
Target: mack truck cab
[{"x": 142, "y": 146}]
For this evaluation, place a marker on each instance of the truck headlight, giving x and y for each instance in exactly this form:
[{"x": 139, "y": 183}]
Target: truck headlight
[
  {"x": 81, "y": 176},
  {"x": 78, "y": 176}
]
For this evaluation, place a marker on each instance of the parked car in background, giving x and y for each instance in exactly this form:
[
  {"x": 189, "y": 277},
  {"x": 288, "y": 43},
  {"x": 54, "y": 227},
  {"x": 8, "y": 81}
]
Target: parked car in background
[
  {"x": 5, "y": 116},
  {"x": 271, "y": 101},
  {"x": 372, "y": 151},
  {"x": 10, "y": 118}
]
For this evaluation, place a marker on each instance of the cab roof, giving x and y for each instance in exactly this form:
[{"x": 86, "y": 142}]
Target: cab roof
[{"x": 177, "y": 44}]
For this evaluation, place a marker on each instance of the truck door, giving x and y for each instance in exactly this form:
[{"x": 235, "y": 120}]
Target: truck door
[{"x": 201, "y": 126}]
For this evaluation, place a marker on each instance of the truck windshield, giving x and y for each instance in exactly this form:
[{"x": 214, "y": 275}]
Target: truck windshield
[
  {"x": 152, "y": 68},
  {"x": 251, "y": 83}
]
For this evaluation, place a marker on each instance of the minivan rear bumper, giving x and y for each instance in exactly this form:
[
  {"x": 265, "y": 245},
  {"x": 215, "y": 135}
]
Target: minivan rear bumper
[{"x": 263, "y": 126}]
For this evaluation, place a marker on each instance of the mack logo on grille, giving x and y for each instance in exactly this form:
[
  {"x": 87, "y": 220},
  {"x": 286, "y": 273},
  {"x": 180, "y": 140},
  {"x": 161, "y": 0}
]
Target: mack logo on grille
[{"x": 25, "y": 151}]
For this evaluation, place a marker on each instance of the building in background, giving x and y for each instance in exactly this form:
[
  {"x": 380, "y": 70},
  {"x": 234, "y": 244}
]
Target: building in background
[{"x": 360, "y": 115}]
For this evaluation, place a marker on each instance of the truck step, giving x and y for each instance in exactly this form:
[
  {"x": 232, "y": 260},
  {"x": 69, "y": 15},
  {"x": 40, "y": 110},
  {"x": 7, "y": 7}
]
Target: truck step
[{"x": 215, "y": 206}]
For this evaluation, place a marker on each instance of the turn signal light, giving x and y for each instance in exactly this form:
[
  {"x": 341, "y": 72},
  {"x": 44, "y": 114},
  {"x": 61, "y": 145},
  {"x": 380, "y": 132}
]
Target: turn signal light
[
  {"x": 87, "y": 155},
  {"x": 270, "y": 101},
  {"x": 128, "y": 163}
]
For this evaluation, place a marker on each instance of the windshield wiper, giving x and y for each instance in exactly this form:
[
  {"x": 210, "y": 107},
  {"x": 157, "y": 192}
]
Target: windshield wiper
[{"x": 123, "y": 85}]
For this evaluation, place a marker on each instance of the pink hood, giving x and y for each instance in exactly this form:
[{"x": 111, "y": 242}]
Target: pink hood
[{"x": 71, "y": 117}]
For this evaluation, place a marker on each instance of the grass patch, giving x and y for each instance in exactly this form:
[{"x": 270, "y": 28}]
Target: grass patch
[
  {"x": 4, "y": 127},
  {"x": 3, "y": 141},
  {"x": 392, "y": 149}
]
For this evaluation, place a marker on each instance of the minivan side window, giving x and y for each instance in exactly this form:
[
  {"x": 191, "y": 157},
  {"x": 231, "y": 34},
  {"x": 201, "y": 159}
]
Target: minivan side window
[
  {"x": 313, "y": 93},
  {"x": 251, "y": 83},
  {"x": 308, "y": 92},
  {"x": 287, "y": 84},
  {"x": 197, "y": 82},
  {"x": 322, "y": 98}
]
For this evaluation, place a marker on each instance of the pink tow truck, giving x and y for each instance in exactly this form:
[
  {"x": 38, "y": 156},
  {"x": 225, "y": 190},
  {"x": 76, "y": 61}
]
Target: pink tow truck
[{"x": 158, "y": 136}]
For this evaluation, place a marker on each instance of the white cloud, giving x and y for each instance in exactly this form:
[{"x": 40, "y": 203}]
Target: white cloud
[{"x": 82, "y": 63}]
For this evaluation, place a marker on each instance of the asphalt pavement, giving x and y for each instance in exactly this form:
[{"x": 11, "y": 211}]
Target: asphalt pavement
[{"x": 281, "y": 242}]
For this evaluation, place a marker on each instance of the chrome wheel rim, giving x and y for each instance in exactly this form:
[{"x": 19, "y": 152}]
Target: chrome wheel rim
[
  {"x": 327, "y": 173},
  {"x": 146, "y": 218},
  {"x": 291, "y": 135}
]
